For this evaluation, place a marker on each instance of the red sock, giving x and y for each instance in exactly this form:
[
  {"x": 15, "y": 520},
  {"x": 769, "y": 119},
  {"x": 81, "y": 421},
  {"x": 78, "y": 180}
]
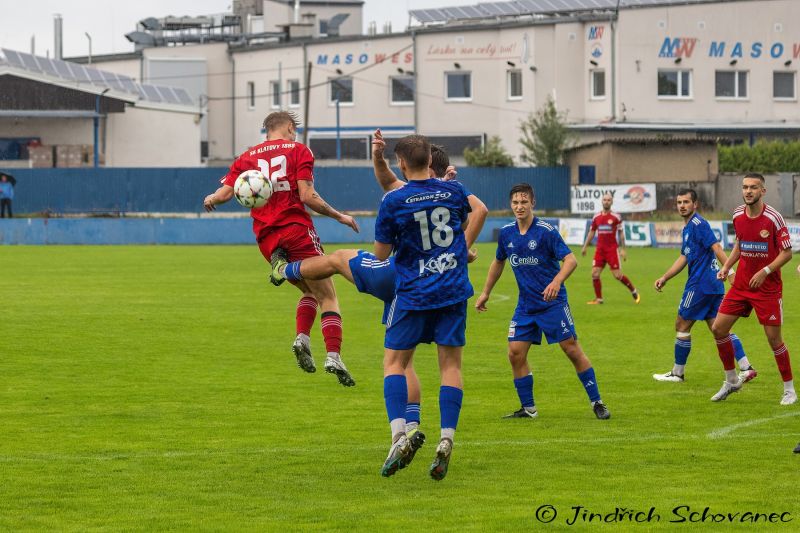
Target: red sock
[
  {"x": 784, "y": 365},
  {"x": 332, "y": 331},
  {"x": 726, "y": 352},
  {"x": 625, "y": 281},
  {"x": 598, "y": 288},
  {"x": 306, "y": 313}
]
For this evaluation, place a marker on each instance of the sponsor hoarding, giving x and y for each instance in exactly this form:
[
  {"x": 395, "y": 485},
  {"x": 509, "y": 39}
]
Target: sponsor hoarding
[{"x": 631, "y": 198}]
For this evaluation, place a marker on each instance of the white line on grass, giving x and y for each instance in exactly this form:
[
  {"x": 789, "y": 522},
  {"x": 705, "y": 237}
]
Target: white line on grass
[
  {"x": 500, "y": 297},
  {"x": 722, "y": 432}
]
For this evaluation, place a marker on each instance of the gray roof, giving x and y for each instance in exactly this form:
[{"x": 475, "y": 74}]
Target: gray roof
[{"x": 92, "y": 79}]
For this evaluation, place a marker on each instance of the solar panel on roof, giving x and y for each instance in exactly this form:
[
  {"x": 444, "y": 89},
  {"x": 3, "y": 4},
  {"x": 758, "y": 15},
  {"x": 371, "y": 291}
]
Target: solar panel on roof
[
  {"x": 183, "y": 96},
  {"x": 47, "y": 66},
  {"x": 150, "y": 93}
]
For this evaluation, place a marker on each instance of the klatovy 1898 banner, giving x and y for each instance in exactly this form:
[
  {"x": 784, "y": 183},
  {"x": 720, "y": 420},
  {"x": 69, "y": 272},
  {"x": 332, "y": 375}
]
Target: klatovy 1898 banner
[{"x": 629, "y": 198}]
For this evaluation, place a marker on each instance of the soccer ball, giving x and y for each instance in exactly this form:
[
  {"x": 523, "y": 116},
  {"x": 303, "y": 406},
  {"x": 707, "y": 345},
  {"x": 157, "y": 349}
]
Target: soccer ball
[{"x": 252, "y": 189}]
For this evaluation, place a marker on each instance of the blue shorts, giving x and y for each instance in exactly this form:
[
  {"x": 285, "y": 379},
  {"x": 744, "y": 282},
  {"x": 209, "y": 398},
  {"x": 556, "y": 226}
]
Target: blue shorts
[
  {"x": 698, "y": 306},
  {"x": 374, "y": 277},
  {"x": 445, "y": 326},
  {"x": 555, "y": 322}
]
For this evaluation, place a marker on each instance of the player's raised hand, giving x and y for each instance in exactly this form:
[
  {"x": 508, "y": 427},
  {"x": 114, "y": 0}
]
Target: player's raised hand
[
  {"x": 551, "y": 291},
  {"x": 378, "y": 144},
  {"x": 660, "y": 282},
  {"x": 480, "y": 303},
  {"x": 209, "y": 204},
  {"x": 472, "y": 255},
  {"x": 347, "y": 220},
  {"x": 450, "y": 174}
]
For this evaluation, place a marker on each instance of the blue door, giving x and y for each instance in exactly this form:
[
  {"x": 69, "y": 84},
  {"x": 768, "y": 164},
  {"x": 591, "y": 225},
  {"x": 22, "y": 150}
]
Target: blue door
[{"x": 586, "y": 174}]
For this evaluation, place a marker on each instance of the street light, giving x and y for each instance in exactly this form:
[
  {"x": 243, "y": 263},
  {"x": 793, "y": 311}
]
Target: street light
[{"x": 86, "y": 33}]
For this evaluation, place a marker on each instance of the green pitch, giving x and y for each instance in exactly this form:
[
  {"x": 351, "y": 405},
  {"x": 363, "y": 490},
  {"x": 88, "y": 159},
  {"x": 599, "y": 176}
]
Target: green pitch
[{"x": 153, "y": 388}]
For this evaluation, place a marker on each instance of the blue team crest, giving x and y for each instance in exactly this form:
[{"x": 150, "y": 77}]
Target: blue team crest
[{"x": 532, "y": 245}]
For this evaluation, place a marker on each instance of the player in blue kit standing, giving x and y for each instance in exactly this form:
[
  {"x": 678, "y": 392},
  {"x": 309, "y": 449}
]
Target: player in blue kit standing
[
  {"x": 534, "y": 248},
  {"x": 703, "y": 291},
  {"x": 424, "y": 222}
]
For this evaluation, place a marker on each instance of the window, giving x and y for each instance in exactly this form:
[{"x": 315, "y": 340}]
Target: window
[
  {"x": 514, "y": 82},
  {"x": 251, "y": 95},
  {"x": 402, "y": 90},
  {"x": 598, "y": 84},
  {"x": 458, "y": 86},
  {"x": 342, "y": 90},
  {"x": 275, "y": 91},
  {"x": 294, "y": 93},
  {"x": 675, "y": 83},
  {"x": 730, "y": 84},
  {"x": 783, "y": 84}
]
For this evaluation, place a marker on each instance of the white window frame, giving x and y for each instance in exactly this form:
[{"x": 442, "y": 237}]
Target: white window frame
[
  {"x": 736, "y": 90},
  {"x": 275, "y": 94},
  {"x": 251, "y": 95},
  {"x": 391, "y": 92},
  {"x": 794, "y": 86},
  {"x": 331, "y": 101},
  {"x": 679, "y": 96},
  {"x": 458, "y": 98},
  {"x": 592, "y": 95},
  {"x": 509, "y": 85},
  {"x": 291, "y": 92}
]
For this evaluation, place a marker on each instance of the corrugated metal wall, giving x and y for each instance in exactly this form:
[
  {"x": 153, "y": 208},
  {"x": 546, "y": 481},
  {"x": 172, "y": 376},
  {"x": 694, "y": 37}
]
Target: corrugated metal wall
[{"x": 181, "y": 190}]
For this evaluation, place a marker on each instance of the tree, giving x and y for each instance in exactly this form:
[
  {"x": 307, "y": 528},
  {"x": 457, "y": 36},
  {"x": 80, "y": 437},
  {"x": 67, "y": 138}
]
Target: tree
[
  {"x": 545, "y": 136},
  {"x": 492, "y": 154}
]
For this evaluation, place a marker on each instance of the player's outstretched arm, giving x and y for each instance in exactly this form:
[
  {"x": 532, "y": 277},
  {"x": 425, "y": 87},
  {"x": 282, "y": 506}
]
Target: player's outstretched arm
[
  {"x": 589, "y": 237},
  {"x": 386, "y": 178},
  {"x": 310, "y": 197},
  {"x": 679, "y": 264},
  {"x": 476, "y": 219},
  {"x": 495, "y": 271},
  {"x": 220, "y": 196}
]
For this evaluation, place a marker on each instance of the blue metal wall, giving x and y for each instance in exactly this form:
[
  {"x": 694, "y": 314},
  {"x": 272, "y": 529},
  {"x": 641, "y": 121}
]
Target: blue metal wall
[{"x": 181, "y": 190}]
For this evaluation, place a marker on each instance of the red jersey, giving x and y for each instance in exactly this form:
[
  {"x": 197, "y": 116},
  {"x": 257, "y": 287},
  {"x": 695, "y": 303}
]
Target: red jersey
[
  {"x": 284, "y": 163},
  {"x": 606, "y": 225},
  {"x": 760, "y": 240}
]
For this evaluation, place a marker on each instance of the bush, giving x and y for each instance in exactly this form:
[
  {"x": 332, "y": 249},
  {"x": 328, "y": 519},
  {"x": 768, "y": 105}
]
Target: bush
[
  {"x": 545, "y": 136},
  {"x": 764, "y": 157},
  {"x": 492, "y": 154}
]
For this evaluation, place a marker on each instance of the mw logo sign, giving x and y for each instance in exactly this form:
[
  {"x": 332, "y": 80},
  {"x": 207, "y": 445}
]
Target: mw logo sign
[{"x": 678, "y": 47}]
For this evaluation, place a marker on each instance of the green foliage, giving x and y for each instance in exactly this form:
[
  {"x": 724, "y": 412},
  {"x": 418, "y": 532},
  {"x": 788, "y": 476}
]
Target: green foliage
[
  {"x": 139, "y": 392},
  {"x": 764, "y": 157},
  {"x": 492, "y": 154},
  {"x": 545, "y": 136}
]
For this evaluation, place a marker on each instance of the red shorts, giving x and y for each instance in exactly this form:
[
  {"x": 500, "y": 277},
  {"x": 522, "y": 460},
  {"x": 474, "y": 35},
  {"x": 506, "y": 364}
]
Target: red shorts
[
  {"x": 603, "y": 256},
  {"x": 300, "y": 242},
  {"x": 769, "y": 310}
]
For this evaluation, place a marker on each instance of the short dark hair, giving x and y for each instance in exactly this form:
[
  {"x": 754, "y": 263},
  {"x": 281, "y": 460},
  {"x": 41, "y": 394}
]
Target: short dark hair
[
  {"x": 755, "y": 175},
  {"x": 439, "y": 160},
  {"x": 415, "y": 150},
  {"x": 522, "y": 188},
  {"x": 280, "y": 118},
  {"x": 691, "y": 192}
]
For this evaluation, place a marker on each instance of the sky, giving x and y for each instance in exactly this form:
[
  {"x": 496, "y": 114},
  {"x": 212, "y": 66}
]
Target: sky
[{"x": 107, "y": 21}]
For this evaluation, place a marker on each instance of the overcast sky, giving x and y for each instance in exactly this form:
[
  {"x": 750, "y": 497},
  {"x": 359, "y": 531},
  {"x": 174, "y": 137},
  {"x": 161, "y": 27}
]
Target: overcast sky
[{"x": 108, "y": 21}]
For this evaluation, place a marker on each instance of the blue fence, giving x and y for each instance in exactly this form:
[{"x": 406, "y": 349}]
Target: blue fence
[{"x": 181, "y": 190}]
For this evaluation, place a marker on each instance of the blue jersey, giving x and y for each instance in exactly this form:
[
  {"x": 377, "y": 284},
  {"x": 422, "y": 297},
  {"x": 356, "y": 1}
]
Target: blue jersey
[
  {"x": 534, "y": 258},
  {"x": 423, "y": 220},
  {"x": 698, "y": 238}
]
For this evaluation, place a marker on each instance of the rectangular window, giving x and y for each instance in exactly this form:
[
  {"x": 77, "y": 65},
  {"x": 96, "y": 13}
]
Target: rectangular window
[
  {"x": 341, "y": 89},
  {"x": 275, "y": 92},
  {"x": 294, "y": 92},
  {"x": 783, "y": 85},
  {"x": 730, "y": 84},
  {"x": 514, "y": 83},
  {"x": 251, "y": 95},
  {"x": 458, "y": 86},
  {"x": 402, "y": 90},
  {"x": 598, "y": 84},
  {"x": 675, "y": 84}
]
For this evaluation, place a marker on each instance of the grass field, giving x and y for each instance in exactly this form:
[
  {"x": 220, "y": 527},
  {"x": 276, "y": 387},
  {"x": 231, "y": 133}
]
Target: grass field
[{"x": 152, "y": 388}]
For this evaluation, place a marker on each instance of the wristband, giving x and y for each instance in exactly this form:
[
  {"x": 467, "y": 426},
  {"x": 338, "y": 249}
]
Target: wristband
[{"x": 767, "y": 270}]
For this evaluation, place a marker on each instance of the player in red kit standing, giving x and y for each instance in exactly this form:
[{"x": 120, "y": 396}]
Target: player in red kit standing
[
  {"x": 762, "y": 247},
  {"x": 608, "y": 225},
  {"x": 284, "y": 224}
]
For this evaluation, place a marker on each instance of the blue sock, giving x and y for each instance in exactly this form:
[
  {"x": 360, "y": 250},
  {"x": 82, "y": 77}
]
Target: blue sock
[
  {"x": 412, "y": 413},
  {"x": 738, "y": 348},
  {"x": 395, "y": 394},
  {"x": 590, "y": 384},
  {"x": 524, "y": 386},
  {"x": 292, "y": 272},
  {"x": 450, "y": 405},
  {"x": 682, "y": 349}
]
